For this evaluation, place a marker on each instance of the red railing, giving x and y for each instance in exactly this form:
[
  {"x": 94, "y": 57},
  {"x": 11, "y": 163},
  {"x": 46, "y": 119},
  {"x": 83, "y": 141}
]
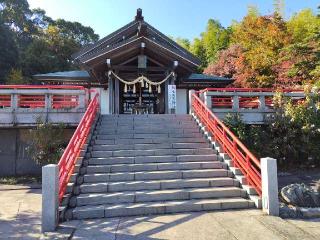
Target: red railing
[
  {"x": 31, "y": 101},
  {"x": 64, "y": 101},
  {"x": 251, "y": 90},
  {"x": 5, "y": 101},
  {"x": 241, "y": 156},
  {"x": 41, "y": 87},
  {"x": 37, "y": 100},
  {"x": 72, "y": 152}
]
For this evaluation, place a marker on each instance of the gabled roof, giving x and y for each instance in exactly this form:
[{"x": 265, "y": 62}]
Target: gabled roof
[
  {"x": 75, "y": 75},
  {"x": 205, "y": 77},
  {"x": 135, "y": 31}
]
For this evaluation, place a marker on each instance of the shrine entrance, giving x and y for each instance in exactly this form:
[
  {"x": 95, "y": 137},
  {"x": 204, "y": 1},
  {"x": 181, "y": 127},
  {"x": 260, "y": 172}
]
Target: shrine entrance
[{"x": 141, "y": 101}]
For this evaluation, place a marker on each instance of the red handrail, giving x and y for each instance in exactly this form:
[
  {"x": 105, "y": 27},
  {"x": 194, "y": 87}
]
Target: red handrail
[
  {"x": 41, "y": 87},
  {"x": 72, "y": 152},
  {"x": 237, "y": 151},
  {"x": 250, "y": 90}
]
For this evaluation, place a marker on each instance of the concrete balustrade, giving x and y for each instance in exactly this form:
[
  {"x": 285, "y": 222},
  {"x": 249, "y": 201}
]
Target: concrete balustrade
[
  {"x": 45, "y": 104},
  {"x": 253, "y": 111}
]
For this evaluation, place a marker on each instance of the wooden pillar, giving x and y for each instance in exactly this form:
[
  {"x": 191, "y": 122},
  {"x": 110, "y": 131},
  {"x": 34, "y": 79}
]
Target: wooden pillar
[
  {"x": 116, "y": 96},
  {"x": 166, "y": 103},
  {"x": 111, "y": 93}
]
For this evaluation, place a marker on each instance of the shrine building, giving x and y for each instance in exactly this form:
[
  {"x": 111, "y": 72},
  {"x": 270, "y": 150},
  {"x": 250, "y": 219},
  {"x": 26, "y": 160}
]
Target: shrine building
[{"x": 137, "y": 69}]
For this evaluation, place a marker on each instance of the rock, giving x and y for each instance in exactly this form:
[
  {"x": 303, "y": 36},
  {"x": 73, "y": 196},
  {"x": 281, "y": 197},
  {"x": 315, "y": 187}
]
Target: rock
[
  {"x": 300, "y": 195},
  {"x": 286, "y": 211}
]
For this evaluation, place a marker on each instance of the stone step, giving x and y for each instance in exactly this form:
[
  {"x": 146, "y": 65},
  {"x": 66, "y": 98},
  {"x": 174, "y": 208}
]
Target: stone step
[
  {"x": 162, "y": 137},
  {"x": 157, "y": 184},
  {"x": 149, "y": 141},
  {"x": 152, "y": 152},
  {"x": 154, "y": 167},
  {"x": 146, "y": 136},
  {"x": 146, "y": 116},
  {"x": 151, "y": 146},
  {"x": 158, "y": 195},
  {"x": 159, "y": 125},
  {"x": 152, "y": 159},
  {"x": 148, "y": 208},
  {"x": 136, "y": 123},
  {"x": 155, "y": 175},
  {"x": 163, "y": 130}
]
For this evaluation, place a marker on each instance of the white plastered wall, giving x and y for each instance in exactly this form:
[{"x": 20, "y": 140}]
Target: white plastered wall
[
  {"x": 104, "y": 98},
  {"x": 181, "y": 101}
]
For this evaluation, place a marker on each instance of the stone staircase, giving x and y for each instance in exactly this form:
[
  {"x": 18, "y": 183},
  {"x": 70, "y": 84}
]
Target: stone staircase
[{"x": 152, "y": 164}]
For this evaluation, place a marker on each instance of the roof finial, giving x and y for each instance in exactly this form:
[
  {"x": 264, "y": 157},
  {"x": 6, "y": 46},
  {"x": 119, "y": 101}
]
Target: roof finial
[{"x": 139, "y": 16}]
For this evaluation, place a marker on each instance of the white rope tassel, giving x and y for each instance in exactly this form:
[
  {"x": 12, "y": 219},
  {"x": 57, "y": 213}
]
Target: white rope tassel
[
  {"x": 134, "y": 88},
  {"x": 146, "y": 84},
  {"x": 159, "y": 89},
  {"x": 125, "y": 88},
  {"x": 150, "y": 88}
]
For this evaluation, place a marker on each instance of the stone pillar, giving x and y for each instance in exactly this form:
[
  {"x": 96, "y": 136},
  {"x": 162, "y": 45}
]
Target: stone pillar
[
  {"x": 235, "y": 103},
  {"x": 191, "y": 92},
  {"x": 270, "y": 200},
  {"x": 50, "y": 202},
  {"x": 207, "y": 100},
  {"x": 262, "y": 103}
]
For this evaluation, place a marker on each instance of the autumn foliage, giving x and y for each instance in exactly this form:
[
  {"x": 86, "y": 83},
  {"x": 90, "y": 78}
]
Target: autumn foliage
[{"x": 267, "y": 51}]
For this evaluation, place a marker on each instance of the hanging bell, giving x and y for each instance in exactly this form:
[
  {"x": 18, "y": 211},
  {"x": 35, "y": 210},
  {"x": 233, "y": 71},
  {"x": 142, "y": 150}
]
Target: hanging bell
[
  {"x": 159, "y": 89},
  {"x": 125, "y": 88},
  {"x": 150, "y": 89},
  {"x": 134, "y": 88}
]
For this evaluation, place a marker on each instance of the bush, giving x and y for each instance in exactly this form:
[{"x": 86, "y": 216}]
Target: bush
[
  {"x": 291, "y": 135},
  {"x": 47, "y": 143}
]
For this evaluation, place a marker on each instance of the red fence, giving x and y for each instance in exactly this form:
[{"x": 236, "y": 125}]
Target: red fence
[
  {"x": 241, "y": 156},
  {"x": 5, "y": 101},
  {"x": 42, "y": 87},
  {"x": 64, "y": 101},
  {"x": 38, "y": 100},
  {"x": 72, "y": 152}
]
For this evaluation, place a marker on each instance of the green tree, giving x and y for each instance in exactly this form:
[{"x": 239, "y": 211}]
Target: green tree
[
  {"x": 261, "y": 38},
  {"x": 198, "y": 49},
  {"x": 214, "y": 39},
  {"x": 183, "y": 42},
  {"x": 15, "y": 77},
  {"x": 8, "y": 50}
]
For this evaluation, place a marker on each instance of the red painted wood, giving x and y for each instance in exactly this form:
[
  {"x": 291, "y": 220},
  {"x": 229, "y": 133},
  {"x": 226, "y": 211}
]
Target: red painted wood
[
  {"x": 72, "y": 152},
  {"x": 241, "y": 156}
]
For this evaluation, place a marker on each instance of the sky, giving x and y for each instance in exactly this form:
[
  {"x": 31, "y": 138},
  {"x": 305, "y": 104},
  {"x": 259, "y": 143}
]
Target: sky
[{"x": 176, "y": 18}]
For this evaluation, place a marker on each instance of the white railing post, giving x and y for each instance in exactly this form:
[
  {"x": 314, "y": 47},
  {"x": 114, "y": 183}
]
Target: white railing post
[
  {"x": 50, "y": 190},
  {"x": 82, "y": 101},
  {"x": 207, "y": 100},
  {"x": 262, "y": 102},
  {"x": 235, "y": 103},
  {"x": 191, "y": 92},
  {"x": 269, "y": 178}
]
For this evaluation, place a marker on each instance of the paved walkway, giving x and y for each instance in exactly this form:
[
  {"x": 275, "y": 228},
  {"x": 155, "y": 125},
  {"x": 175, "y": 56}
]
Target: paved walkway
[
  {"x": 20, "y": 216},
  {"x": 20, "y": 219}
]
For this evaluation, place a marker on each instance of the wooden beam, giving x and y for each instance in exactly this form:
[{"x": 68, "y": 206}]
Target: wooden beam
[{"x": 135, "y": 68}]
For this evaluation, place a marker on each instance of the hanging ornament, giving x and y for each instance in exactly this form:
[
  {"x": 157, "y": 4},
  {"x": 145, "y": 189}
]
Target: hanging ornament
[
  {"x": 125, "y": 88},
  {"x": 134, "y": 88},
  {"x": 150, "y": 89},
  {"x": 142, "y": 83},
  {"x": 159, "y": 89}
]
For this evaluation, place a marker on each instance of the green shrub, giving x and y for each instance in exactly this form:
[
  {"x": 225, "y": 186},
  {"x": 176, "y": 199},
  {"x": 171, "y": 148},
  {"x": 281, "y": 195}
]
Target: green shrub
[
  {"x": 47, "y": 143},
  {"x": 291, "y": 135}
]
